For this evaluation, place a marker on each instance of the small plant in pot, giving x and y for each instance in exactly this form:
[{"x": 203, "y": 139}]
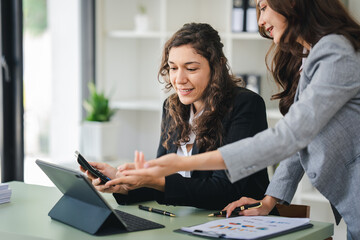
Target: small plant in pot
[
  {"x": 141, "y": 19},
  {"x": 97, "y": 106},
  {"x": 98, "y": 131}
]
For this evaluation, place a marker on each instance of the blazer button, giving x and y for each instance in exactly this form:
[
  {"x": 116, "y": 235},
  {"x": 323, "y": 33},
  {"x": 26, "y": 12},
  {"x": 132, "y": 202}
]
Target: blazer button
[{"x": 312, "y": 175}]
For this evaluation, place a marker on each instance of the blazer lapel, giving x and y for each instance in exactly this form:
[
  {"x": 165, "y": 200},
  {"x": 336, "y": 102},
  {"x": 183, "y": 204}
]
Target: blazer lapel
[
  {"x": 173, "y": 149},
  {"x": 195, "y": 150}
]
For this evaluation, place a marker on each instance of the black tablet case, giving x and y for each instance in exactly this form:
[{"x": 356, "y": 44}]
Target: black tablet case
[{"x": 81, "y": 206}]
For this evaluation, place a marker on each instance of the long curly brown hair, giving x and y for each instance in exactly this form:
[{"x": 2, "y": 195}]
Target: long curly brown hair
[
  {"x": 309, "y": 20},
  {"x": 217, "y": 96}
]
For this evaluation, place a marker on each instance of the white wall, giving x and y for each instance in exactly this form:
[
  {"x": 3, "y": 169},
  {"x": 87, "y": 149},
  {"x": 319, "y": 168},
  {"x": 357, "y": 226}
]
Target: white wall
[
  {"x": 63, "y": 17},
  {"x": 354, "y": 7}
]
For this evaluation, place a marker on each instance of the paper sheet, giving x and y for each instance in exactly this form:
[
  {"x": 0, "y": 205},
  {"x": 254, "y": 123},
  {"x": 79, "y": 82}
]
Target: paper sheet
[{"x": 247, "y": 227}]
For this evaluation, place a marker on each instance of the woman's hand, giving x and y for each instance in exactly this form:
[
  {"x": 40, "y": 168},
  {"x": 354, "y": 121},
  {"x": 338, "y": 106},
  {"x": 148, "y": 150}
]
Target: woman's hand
[
  {"x": 268, "y": 203},
  {"x": 172, "y": 163},
  {"x": 124, "y": 167},
  {"x": 107, "y": 170},
  {"x": 136, "y": 181},
  {"x": 160, "y": 167},
  {"x": 104, "y": 168},
  {"x": 122, "y": 188}
]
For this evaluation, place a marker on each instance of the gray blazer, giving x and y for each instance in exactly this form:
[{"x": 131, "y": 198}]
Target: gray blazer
[{"x": 320, "y": 135}]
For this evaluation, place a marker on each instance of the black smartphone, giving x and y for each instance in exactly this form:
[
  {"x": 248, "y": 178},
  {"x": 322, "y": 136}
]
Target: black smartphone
[{"x": 81, "y": 160}]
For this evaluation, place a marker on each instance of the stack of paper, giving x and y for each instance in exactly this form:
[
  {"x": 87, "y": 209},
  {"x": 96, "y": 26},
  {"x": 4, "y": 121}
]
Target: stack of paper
[{"x": 5, "y": 193}]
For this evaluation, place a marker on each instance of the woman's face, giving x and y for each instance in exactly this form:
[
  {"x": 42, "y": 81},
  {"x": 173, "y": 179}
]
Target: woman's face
[
  {"x": 273, "y": 22},
  {"x": 189, "y": 74}
]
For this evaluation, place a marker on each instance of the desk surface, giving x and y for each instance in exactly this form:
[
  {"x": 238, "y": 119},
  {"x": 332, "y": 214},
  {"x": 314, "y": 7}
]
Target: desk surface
[{"x": 26, "y": 217}]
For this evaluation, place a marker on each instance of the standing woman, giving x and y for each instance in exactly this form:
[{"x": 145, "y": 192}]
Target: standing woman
[
  {"x": 206, "y": 110},
  {"x": 315, "y": 59}
]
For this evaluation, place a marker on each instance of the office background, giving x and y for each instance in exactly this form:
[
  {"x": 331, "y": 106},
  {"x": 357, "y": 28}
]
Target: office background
[{"x": 67, "y": 43}]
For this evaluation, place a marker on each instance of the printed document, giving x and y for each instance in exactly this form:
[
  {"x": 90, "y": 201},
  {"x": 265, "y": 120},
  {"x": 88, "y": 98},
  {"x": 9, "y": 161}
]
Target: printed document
[{"x": 249, "y": 227}]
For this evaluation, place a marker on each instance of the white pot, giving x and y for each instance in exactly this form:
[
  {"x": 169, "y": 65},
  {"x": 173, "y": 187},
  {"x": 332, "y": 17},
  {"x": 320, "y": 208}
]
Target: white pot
[
  {"x": 99, "y": 140},
  {"x": 141, "y": 23}
]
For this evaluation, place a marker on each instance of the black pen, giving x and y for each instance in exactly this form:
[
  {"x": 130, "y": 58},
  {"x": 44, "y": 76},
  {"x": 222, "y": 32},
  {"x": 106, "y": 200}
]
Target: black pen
[
  {"x": 162, "y": 212},
  {"x": 237, "y": 209},
  {"x": 208, "y": 233}
]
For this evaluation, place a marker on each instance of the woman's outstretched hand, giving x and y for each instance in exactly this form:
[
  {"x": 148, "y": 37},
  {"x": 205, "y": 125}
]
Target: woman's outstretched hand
[
  {"x": 132, "y": 182},
  {"x": 160, "y": 167},
  {"x": 172, "y": 163},
  {"x": 268, "y": 203}
]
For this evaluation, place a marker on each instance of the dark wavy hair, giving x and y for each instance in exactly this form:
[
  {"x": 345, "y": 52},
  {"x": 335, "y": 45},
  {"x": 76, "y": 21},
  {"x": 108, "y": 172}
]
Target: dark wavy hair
[
  {"x": 217, "y": 95},
  {"x": 310, "y": 20}
]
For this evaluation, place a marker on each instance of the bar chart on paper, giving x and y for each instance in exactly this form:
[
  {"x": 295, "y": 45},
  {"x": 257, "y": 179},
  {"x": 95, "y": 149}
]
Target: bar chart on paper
[{"x": 249, "y": 227}]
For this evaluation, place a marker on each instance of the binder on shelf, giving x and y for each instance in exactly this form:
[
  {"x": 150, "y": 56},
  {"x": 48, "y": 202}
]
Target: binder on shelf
[
  {"x": 238, "y": 16},
  {"x": 251, "y": 24},
  {"x": 252, "y": 81}
]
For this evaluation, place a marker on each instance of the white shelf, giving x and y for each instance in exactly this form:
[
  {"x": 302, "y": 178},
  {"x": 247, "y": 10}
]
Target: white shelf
[
  {"x": 235, "y": 36},
  {"x": 137, "y": 105},
  {"x": 134, "y": 34},
  {"x": 246, "y": 36}
]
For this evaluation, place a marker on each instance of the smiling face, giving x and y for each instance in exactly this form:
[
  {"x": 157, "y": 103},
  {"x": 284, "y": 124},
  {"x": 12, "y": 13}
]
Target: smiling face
[
  {"x": 273, "y": 22},
  {"x": 189, "y": 74}
]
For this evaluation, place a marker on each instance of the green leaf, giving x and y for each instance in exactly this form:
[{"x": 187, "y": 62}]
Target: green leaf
[{"x": 97, "y": 106}]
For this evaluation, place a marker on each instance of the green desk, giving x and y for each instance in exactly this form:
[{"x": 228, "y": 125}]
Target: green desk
[{"x": 26, "y": 217}]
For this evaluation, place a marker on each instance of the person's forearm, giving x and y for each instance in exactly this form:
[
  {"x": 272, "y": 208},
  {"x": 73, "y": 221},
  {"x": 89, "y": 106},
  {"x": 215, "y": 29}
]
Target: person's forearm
[
  {"x": 205, "y": 161},
  {"x": 157, "y": 184},
  {"x": 269, "y": 201}
]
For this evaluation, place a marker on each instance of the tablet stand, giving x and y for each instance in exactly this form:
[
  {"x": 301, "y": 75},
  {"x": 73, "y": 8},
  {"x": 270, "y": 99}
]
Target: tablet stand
[{"x": 84, "y": 216}]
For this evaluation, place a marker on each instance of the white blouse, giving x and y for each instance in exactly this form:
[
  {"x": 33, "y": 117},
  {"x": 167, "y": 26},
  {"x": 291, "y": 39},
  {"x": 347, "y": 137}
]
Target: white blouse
[{"x": 182, "y": 151}]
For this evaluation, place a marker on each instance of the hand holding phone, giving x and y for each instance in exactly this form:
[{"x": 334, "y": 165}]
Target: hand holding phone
[{"x": 81, "y": 160}]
